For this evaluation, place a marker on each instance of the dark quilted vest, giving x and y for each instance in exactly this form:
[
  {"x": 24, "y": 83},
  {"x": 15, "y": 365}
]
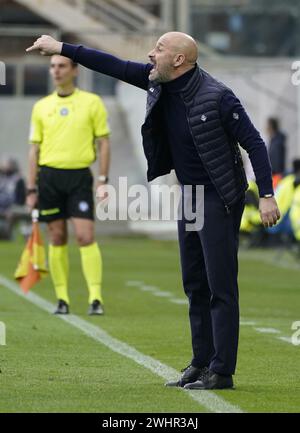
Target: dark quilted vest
[{"x": 220, "y": 155}]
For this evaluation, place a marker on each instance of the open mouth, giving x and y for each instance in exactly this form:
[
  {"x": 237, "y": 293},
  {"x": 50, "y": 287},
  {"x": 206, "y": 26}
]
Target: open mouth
[
  {"x": 153, "y": 64},
  {"x": 153, "y": 70}
]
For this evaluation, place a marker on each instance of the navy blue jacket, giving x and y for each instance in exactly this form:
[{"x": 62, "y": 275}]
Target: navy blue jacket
[
  {"x": 218, "y": 153},
  {"x": 215, "y": 138}
]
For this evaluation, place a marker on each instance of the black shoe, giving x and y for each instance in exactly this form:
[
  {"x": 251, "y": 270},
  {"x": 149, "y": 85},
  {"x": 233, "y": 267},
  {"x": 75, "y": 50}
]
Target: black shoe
[
  {"x": 190, "y": 374},
  {"x": 212, "y": 381},
  {"x": 96, "y": 309},
  {"x": 62, "y": 307}
]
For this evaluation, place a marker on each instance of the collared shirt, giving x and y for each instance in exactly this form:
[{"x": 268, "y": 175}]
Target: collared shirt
[{"x": 65, "y": 129}]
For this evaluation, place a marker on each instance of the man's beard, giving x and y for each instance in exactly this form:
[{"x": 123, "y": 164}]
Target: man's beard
[{"x": 161, "y": 77}]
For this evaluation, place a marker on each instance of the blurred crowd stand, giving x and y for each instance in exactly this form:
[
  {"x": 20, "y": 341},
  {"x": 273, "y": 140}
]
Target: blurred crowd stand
[
  {"x": 286, "y": 233},
  {"x": 13, "y": 213}
]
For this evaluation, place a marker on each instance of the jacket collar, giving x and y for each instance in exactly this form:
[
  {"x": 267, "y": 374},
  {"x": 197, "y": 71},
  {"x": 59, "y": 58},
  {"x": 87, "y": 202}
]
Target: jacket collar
[
  {"x": 189, "y": 89},
  {"x": 176, "y": 86},
  {"x": 193, "y": 84}
]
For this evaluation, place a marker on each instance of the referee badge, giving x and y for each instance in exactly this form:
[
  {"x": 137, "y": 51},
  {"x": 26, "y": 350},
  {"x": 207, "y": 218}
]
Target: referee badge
[
  {"x": 64, "y": 111},
  {"x": 83, "y": 206}
]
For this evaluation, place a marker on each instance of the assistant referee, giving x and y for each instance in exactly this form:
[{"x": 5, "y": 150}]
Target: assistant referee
[{"x": 66, "y": 129}]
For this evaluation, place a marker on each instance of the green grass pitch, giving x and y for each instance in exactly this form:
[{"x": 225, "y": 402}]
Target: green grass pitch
[{"x": 49, "y": 366}]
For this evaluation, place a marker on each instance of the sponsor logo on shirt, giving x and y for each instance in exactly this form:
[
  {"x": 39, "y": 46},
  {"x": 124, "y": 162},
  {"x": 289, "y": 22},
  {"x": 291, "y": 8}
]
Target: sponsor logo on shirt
[{"x": 64, "y": 111}]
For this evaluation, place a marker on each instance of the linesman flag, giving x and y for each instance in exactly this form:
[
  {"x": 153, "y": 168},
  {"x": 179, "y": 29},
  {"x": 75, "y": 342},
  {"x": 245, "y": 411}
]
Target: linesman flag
[{"x": 32, "y": 265}]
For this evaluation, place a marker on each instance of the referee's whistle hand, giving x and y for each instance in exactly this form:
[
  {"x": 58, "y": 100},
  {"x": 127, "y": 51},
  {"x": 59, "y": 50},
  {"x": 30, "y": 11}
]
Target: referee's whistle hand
[
  {"x": 102, "y": 193},
  {"x": 46, "y": 45},
  {"x": 269, "y": 212},
  {"x": 31, "y": 201}
]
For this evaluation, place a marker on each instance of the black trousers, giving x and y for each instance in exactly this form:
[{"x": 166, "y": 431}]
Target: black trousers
[{"x": 209, "y": 271}]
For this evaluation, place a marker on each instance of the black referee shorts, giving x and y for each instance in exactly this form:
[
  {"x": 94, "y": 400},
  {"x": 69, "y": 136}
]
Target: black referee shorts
[{"x": 65, "y": 193}]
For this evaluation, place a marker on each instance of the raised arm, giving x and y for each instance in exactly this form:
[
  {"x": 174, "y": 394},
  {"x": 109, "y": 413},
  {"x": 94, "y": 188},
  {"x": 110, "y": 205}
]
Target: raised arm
[{"x": 131, "y": 72}]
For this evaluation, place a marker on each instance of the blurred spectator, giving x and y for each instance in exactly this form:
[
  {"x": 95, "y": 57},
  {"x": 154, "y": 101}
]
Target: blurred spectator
[
  {"x": 277, "y": 149},
  {"x": 295, "y": 206},
  {"x": 12, "y": 196},
  {"x": 251, "y": 227},
  {"x": 296, "y": 171},
  {"x": 287, "y": 231}
]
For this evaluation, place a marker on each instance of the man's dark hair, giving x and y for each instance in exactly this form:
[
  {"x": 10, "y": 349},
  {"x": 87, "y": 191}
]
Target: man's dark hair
[
  {"x": 73, "y": 64},
  {"x": 274, "y": 123}
]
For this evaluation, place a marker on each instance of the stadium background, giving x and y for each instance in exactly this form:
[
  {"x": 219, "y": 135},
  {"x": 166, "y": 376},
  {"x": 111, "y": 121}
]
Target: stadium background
[{"x": 248, "y": 44}]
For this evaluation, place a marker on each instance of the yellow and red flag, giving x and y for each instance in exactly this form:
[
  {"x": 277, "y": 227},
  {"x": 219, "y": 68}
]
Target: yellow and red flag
[{"x": 32, "y": 265}]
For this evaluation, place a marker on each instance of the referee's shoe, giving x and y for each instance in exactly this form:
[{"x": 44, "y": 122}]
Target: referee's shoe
[
  {"x": 96, "y": 308},
  {"x": 62, "y": 307}
]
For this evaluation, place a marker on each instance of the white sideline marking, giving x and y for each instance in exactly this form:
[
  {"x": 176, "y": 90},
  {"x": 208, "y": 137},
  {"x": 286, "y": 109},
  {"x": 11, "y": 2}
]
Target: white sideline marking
[
  {"x": 286, "y": 339},
  {"x": 155, "y": 291},
  {"x": 267, "y": 330},
  {"x": 133, "y": 283},
  {"x": 207, "y": 399},
  {"x": 162, "y": 294},
  {"x": 270, "y": 260},
  {"x": 179, "y": 301},
  {"x": 145, "y": 288}
]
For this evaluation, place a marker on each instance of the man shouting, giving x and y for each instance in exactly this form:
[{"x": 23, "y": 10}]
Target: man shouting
[{"x": 193, "y": 125}]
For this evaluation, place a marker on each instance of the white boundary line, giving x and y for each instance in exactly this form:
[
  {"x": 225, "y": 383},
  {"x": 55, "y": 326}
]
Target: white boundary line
[
  {"x": 156, "y": 291},
  {"x": 286, "y": 339},
  {"x": 207, "y": 399},
  {"x": 268, "y": 330},
  {"x": 269, "y": 260}
]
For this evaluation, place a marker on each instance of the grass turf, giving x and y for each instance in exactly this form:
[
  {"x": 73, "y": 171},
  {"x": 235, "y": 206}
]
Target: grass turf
[{"x": 49, "y": 366}]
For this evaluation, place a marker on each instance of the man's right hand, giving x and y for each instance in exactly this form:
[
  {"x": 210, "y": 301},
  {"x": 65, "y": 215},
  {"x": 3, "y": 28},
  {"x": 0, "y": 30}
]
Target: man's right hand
[
  {"x": 31, "y": 201},
  {"x": 46, "y": 45}
]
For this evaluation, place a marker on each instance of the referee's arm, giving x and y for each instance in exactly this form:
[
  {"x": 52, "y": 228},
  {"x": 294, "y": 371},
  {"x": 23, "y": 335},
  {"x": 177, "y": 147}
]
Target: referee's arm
[
  {"x": 31, "y": 196},
  {"x": 104, "y": 155},
  {"x": 104, "y": 163}
]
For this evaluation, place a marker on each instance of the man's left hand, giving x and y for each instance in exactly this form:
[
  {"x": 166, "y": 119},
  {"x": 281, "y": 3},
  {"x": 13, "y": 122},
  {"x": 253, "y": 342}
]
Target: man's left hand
[{"x": 269, "y": 211}]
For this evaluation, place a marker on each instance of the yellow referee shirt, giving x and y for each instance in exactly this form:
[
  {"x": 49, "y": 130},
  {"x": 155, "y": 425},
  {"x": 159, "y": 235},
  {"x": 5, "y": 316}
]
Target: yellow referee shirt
[{"x": 65, "y": 129}]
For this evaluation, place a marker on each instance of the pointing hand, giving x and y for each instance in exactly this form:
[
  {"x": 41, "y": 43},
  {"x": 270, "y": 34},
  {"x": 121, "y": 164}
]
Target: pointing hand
[{"x": 46, "y": 45}]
